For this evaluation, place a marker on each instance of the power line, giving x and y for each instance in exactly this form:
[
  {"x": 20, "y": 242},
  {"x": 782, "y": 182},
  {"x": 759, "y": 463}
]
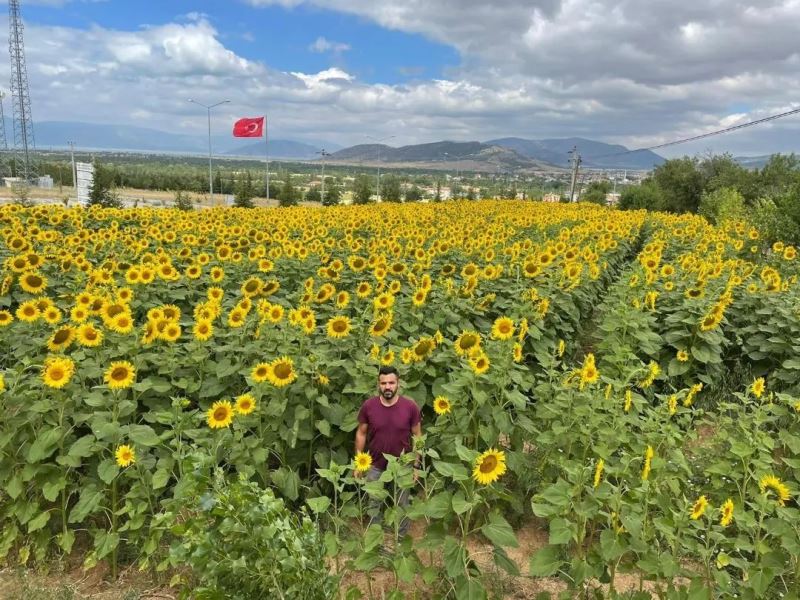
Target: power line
[{"x": 704, "y": 135}]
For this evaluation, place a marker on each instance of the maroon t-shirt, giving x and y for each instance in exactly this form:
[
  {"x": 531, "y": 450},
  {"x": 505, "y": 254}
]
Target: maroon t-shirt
[{"x": 389, "y": 427}]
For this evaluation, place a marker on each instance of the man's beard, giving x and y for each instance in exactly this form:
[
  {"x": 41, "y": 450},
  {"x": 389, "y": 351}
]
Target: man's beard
[{"x": 388, "y": 394}]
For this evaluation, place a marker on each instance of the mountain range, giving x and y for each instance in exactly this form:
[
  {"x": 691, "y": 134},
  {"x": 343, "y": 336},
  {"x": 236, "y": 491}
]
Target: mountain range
[{"x": 496, "y": 155}]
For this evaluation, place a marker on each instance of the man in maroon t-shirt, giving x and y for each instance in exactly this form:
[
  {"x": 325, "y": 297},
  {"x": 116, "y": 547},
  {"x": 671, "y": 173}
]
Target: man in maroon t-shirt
[{"x": 386, "y": 424}]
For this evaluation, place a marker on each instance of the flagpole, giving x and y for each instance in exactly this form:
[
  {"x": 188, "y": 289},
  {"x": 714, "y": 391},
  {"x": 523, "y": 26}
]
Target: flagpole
[{"x": 266, "y": 147}]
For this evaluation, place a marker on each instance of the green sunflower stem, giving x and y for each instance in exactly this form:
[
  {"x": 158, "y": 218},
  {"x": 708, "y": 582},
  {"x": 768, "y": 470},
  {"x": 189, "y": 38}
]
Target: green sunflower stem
[{"x": 114, "y": 527}]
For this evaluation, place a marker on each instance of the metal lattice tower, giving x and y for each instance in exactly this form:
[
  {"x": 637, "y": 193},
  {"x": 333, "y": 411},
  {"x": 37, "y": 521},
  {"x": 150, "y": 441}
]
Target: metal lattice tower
[
  {"x": 4, "y": 166},
  {"x": 24, "y": 145}
]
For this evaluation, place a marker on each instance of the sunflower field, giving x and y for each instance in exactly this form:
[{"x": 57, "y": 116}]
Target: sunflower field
[{"x": 626, "y": 382}]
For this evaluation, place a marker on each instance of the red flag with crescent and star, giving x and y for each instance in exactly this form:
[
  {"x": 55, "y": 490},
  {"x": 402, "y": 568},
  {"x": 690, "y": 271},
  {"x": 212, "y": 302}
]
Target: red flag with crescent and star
[{"x": 249, "y": 127}]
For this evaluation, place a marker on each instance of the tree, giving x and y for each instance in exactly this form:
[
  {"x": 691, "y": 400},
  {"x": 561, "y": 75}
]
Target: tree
[
  {"x": 313, "y": 195},
  {"x": 101, "y": 192},
  {"x": 217, "y": 182},
  {"x": 182, "y": 201},
  {"x": 722, "y": 205},
  {"x": 438, "y": 196},
  {"x": 288, "y": 194},
  {"x": 647, "y": 195},
  {"x": 390, "y": 189},
  {"x": 333, "y": 194},
  {"x": 596, "y": 192},
  {"x": 470, "y": 194},
  {"x": 362, "y": 189},
  {"x": 681, "y": 184},
  {"x": 413, "y": 194},
  {"x": 244, "y": 193}
]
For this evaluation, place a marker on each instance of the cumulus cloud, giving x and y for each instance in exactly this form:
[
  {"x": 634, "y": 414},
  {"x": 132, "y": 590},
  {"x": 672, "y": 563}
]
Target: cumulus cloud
[{"x": 322, "y": 45}]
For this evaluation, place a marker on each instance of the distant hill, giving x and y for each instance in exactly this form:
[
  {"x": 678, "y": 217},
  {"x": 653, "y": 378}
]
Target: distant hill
[
  {"x": 463, "y": 155},
  {"x": 279, "y": 149},
  {"x": 594, "y": 154},
  {"x": 100, "y": 136}
]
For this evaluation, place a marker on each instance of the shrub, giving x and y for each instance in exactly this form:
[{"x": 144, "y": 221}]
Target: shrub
[{"x": 243, "y": 542}]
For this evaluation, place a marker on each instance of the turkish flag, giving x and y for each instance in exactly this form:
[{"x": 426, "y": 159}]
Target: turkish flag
[{"x": 249, "y": 127}]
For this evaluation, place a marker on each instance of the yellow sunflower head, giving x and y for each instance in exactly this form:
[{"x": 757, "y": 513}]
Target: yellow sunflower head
[
  {"x": 120, "y": 375},
  {"x": 281, "y": 372},
  {"x": 245, "y": 404},
  {"x": 441, "y": 405},
  {"x": 125, "y": 456},
  {"x": 57, "y": 372},
  {"x": 489, "y": 466},
  {"x": 362, "y": 462},
  {"x": 339, "y": 327},
  {"x": 220, "y": 414}
]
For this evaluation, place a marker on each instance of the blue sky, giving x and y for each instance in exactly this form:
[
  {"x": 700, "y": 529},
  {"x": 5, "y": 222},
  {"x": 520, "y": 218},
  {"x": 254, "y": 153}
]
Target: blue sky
[
  {"x": 621, "y": 71},
  {"x": 279, "y": 36}
]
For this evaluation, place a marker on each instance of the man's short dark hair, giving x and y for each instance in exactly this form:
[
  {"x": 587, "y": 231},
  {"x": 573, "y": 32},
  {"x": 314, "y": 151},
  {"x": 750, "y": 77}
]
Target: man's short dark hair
[{"x": 388, "y": 370}]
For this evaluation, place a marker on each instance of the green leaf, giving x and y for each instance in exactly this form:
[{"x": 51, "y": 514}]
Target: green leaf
[
  {"x": 160, "y": 479},
  {"x": 83, "y": 447},
  {"x": 545, "y": 562},
  {"x": 470, "y": 588},
  {"x": 44, "y": 444},
  {"x": 610, "y": 547},
  {"x": 65, "y": 540},
  {"x": 460, "y": 503},
  {"x": 14, "y": 486},
  {"x": 88, "y": 502},
  {"x": 561, "y": 531},
  {"x": 499, "y": 532},
  {"x": 454, "y": 471},
  {"x": 454, "y": 556},
  {"x": 143, "y": 435},
  {"x": 38, "y": 522},
  {"x": 104, "y": 543},
  {"x": 406, "y": 568},
  {"x": 287, "y": 482},
  {"x": 502, "y": 560},
  {"x": 107, "y": 470},
  {"x": 319, "y": 504},
  {"x": 51, "y": 489},
  {"x": 323, "y": 427}
]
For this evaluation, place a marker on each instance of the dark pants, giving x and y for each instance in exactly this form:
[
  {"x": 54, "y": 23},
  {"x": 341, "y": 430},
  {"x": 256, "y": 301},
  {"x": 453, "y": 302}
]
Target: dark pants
[{"x": 375, "y": 507}]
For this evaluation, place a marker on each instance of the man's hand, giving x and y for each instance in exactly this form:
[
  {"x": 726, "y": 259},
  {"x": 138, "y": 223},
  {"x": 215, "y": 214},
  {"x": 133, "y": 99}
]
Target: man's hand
[
  {"x": 358, "y": 474},
  {"x": 416, "y": 476}
]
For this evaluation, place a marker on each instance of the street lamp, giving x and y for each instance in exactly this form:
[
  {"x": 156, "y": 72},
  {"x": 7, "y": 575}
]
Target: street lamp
[
  {"x": 378, "y": 179},
  {"x": 210, "y": 179},
  {"x": 323, "y": 154}
]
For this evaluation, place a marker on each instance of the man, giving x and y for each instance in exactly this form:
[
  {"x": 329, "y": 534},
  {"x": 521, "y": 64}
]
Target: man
[{"x": 386, "y": 424}]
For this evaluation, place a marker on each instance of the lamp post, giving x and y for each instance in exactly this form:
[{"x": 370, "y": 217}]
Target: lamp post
[
  {"x": 378, "y": 179},
  {"x": 323, "y": 154},
  {"x": 210, "y": 178}
]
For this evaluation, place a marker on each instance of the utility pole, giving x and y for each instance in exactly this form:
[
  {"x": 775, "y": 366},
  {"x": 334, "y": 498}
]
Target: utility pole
[
  {"x": 378, "y": 178},
  {"x": 210, "y": 179},
  {"x": 575, "y": 160},
  {"x": 24, "y": 145},
  {"x": 74, "y": 172},
  {"x": 323, "y": 154}
]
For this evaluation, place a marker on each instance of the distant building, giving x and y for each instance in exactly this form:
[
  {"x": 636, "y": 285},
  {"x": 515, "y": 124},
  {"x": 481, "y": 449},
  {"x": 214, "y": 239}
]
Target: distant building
[
  {"x": 551, "y": 197},
  {"x": 612, "y": 199}
]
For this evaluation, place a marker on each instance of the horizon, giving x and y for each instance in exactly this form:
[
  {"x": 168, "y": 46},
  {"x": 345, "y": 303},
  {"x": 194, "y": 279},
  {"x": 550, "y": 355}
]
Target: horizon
[{"x": 343, "y": 71}]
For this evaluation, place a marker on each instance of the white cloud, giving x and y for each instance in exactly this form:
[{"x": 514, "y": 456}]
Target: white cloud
[{"x": 322, "y": 45}]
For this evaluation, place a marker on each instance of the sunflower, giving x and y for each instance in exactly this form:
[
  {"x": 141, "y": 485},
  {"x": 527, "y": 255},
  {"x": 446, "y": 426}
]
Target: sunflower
[
  {"x": 467, "y": 342},
  {"x": 57, "y": 372},
  {"x": 598, "y": 472},
  {"x": 774, "y": 484},
  {"x": 758, "y": 387},
  {"x": 215, "y": 294},
  {"x": 281, "y": 372},
  {"x": 217, "y": 274},
  {"x": 479, "y": 363},
  {"x": 682, "y": 355},
  {"x": 339, "y": 327},
  {"x": 503, "y": 328},
  {"x": 125, "y": 456},
  {"x": 380, "y": 326},
  {"x": 363, "y": 290},
  {"x": 61, "y": 339},
  {"x": 517, "y": 352},
  {"x": 170, "y": 333},
  {"x": 441, "y": 405},
  {"x": 120, "y": 375},
  {"x": 387, "y": 358},
  {"x": 383, "y": 301},
  {"x": 52, "y": 315},
  {"x": 261, "y": 372},
  {"x": 362, "y": 462},
  {"x": 245, "y": 404},
  {"x": 588, "y": 372},
  {"x": 562, "y": 346},
  {"x": 122, "y": 323},
  {"x": 419, "y": 297},
  {"x": 423, "y": 348},
  {"x": 252, "y": 287},
  {"x": 726, "y": 513},
  {"x": 710, "y": 321},
  {"x": 203, "y": 330},
  {"x": 89, "y": 336},
  {"x": 489, "y": 466},
  {"x": 220, "y": 414},
  {"x": 5, "y": 318},
  {"x": 33, "y": 283},
  {"x": 699, "y": 507},
  {"x": 171, "y": 312},
  {"x": 275, "y": 313},
  {"x": 28, "y": 311},
  {"x": 236, "y": 318},
  {"x": 649, "y": 453}
]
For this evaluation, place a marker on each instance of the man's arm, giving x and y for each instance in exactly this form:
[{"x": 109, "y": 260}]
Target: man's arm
[{"x": 416, "y": 431}]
